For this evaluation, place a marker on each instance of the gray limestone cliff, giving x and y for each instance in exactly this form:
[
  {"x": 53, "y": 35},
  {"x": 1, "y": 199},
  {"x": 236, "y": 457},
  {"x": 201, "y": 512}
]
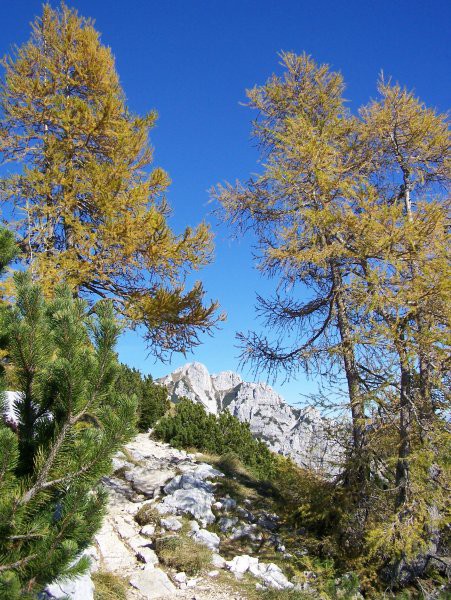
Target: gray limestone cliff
[{"x": 299, "y": 433}]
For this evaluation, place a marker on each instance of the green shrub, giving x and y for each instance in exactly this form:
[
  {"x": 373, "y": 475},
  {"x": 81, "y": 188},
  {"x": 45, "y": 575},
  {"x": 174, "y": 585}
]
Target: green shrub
[
  {"x": 109, "y": 587},
  {"x": 285, "y": 595},
  {"x": 71, "y": 421},
  {"x": 152, "y": 399},
  {"x": 192, "y": 427},
  {"x": 183, "y": 554},
  {"x": 147, "y": 514}
]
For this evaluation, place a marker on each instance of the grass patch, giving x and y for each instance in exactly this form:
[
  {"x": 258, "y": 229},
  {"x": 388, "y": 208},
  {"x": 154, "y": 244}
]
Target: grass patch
[
  {"x": 183, "y": 554},
  {"x": 147, "y": 514},
  {"x": 240, "y": 483},
  {"x": 109, "y": 587},
  {"x": 286, "y": 595}
]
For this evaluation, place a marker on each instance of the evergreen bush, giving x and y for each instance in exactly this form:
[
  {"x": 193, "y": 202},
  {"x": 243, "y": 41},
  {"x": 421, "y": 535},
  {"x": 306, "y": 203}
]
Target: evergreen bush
[
  {"x": 192, "y": 427},
  {"x": 152, "y": 399},
  {"x": 71, "y": 420}
]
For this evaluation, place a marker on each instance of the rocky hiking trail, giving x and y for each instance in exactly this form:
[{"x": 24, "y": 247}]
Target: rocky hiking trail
[{"x": 158, "y": 493}]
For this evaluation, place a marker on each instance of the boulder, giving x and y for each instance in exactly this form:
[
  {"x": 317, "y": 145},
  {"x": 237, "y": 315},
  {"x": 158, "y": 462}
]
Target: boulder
[
  {"x": 218, "y": 561},
  {"x": 188, "y": 481},
  {"x": 148, "y": 482},
  {"x": 270, "y": 574},
  {"x": 180, "y": 577},
  {"x": 148, "y": 530},
  {"x": 273, "y": 577},
  {"x": 194, "y": 525},
  {"x": 240, "y": 564},
  {"x": 196, "y": 502},
  {"x": 171, "y": 524},
  {"x": 80, "y": 588},
  {"x": 206, "y": 471},
  {"x": 153, "y": 583},
  {"x": 226, "y": 523},
  {"x": 207, "y": 538},
  {"x": 147, "y": 555}
]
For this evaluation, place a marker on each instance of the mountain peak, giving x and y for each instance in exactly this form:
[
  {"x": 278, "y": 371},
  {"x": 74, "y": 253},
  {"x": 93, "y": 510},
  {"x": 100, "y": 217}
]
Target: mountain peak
[{"x": 301, "y": 434}]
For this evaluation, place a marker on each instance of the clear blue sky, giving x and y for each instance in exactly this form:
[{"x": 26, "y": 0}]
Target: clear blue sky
[{"x": 193, "y": 59}]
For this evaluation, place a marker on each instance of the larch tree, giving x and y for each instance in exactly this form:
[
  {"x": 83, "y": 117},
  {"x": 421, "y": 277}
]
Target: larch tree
[
  {"x": 409, "y": 295},
  {"x": 86, "y": 205},
  {"x": 313, "y": 167},
  {"x": 349, "y": 215}
]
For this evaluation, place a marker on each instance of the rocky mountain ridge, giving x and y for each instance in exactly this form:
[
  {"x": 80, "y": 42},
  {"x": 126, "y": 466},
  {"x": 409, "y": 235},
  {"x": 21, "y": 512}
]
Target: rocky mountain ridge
[{"x": 301, "y": 434}]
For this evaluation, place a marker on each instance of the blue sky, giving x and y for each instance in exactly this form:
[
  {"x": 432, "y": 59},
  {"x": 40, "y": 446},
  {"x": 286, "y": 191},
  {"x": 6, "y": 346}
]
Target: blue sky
[{"x": 192, "y": 61}]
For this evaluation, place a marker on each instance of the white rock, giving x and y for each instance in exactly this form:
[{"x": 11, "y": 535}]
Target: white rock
[
  {"x": 196, "y": 502},
  {"x": 240, "y": 564},
  {"x": 148, "y": 482},
  {"x": 188, "y": 481},
  {"x": 206, "y": 471},
  {"x": 213, "y": 573},
  {"x": 148, "y": 530},
  {"x": 138, "y": 542},
  {"x": 153, "y": 584},
  {"x": 81, "y": 588},
  {"x": 147, "y": 555},
  {"x": 124, "y": 529},
  {"x": 273, "y": 577},
  {"x": 192, "y": 381},
  {"x": 194, "y": 525},
  {"x": 171, "y": 524},
  {"x": 255, "y": 569},
  {"x": 218, "y": 561},
  {"x": 92, "y": 553},
  {"x": 192, "y": 583},
  {"x": 120, "y": 462},
  {"x": 114, "y": 554},
  {"x": 226, "y": 381},
  {"x": 207, "y": 538},
  {"x": 271, "y": 574},
  {"x": 180, "y": 577}
]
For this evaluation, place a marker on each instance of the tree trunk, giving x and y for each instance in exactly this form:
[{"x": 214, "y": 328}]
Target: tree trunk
[
  {"x": 405, "y": 417},
  {"x": 352, "y": 375}
]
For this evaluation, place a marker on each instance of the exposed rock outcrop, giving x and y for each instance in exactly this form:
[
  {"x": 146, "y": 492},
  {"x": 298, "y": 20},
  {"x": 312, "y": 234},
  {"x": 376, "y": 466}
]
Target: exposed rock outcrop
[{"x": 299, "y": 433}]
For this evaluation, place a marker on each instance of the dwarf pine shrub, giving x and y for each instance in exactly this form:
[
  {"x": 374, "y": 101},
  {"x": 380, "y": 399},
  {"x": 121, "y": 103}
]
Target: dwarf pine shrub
[
  {"x": 70, "y": 421},
  {"x": 192, "y": 427}
]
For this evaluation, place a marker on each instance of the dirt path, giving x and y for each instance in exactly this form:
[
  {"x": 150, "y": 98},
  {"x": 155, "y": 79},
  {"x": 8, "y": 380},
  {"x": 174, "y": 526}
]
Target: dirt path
[{"x": 123, "y": 547}]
